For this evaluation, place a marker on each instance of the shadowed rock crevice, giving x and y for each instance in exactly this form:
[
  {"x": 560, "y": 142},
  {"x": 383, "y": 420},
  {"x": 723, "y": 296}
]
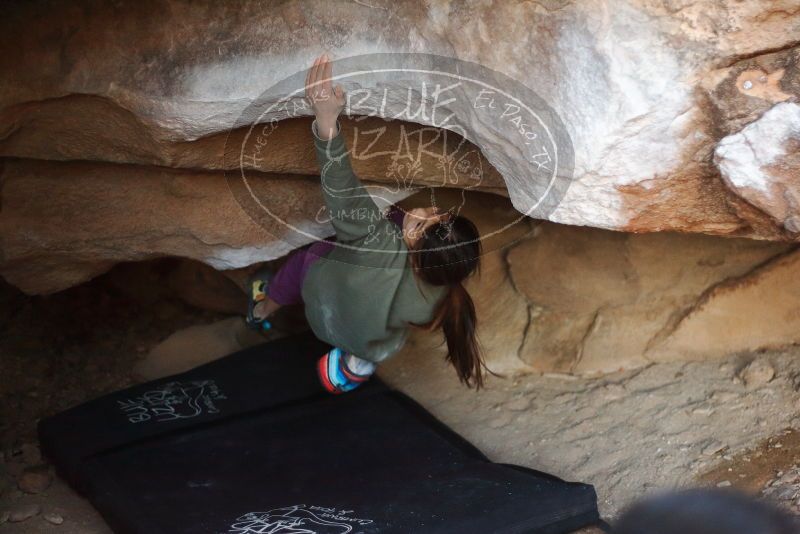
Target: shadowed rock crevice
[
  {"x": 790, "y": 45},
  {"x": 589, "y": 331},
  {"x": 95, "y": 128}
]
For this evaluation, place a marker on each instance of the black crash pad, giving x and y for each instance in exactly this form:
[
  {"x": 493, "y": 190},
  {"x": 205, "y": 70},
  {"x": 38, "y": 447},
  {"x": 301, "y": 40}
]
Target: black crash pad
[
  {"x": 251, "y": 444},
  {"x": 262, "y": 377}
]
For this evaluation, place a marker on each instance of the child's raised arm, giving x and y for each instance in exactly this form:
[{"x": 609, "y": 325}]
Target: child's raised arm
[
  {"x": 326, "y": 101},
  {"x": 354, "y": 214}
]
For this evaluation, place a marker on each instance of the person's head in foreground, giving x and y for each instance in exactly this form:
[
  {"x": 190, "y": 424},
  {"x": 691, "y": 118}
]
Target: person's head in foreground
[{"x": 704, "y": 511}]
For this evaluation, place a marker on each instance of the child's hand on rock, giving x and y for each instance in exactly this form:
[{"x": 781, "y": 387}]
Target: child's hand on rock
[{"x": 326, "y": 101}]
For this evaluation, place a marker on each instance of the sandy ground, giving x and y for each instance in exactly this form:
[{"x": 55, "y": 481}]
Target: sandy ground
[{"x": 629, "y": 434}]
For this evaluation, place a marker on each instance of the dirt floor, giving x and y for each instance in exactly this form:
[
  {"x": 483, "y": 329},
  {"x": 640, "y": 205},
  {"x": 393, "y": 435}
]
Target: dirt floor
[
  {"x": 630, "y": 434},
  {"x": 56, "y": 352}
]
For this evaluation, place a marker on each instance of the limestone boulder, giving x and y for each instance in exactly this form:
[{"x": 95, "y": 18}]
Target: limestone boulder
[
  {"x": 758, "y": 310},
  {"x": 139, "y": 130},
  {"x": 166, "y": 204},
  {"x": 742, "y": 90},
  {"x": 604, "y": 301},
  {"x": 65, "y": 222},
  {"x": 762, "y": 164},
  {"x": 645, "y": 91},
  {"x": 197, "y": 345}
]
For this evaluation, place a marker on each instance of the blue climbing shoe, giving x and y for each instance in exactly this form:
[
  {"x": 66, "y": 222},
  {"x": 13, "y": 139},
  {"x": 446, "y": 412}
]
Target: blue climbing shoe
[
  {"x": 257, "y": 286},
  {"x": 340, "y": 372}
]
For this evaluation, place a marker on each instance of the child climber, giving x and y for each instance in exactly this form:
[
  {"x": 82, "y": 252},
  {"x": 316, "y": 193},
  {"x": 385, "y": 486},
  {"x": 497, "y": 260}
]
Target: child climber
[{"x": 380, "y": 275}]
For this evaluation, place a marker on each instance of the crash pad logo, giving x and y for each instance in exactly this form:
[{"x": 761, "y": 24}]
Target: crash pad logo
[
  {"x": 299, "y": 519},
  {"x": 174, "y": 400}
]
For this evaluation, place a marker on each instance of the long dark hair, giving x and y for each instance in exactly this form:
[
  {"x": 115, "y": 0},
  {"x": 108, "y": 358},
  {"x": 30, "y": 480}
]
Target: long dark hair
[{"x": 445, "y": 255}]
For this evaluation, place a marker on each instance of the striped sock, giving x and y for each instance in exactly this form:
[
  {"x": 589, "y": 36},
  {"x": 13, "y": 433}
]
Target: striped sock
[
  {"x": 357, "y": 368},
  {"x": 340, "y": 372}
]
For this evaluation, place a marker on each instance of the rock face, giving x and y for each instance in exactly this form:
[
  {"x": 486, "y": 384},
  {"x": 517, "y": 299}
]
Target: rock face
[
  {"x": 573, "y": 300},
  {"x": 146, "y": 94},
  {"x": 132, "y": 131},
  {"x": 64, "y": 222},
  {"x": 603, "y": 301},
  {"x": 196, "y": 345},
  {"x": 762, "y": 164},
  {"x": 756, "y": 310}
]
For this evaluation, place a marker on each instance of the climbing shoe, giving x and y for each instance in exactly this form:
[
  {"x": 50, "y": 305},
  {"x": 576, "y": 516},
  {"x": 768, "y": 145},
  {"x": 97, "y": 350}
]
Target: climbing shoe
[
  {"x": 340, "y": 372},
  {"x": 257, "y": 286}
]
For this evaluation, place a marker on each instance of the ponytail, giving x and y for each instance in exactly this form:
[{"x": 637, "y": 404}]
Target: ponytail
[
  {"x": 456, "y": 317},
  {"x": 445, "y": 255}
]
